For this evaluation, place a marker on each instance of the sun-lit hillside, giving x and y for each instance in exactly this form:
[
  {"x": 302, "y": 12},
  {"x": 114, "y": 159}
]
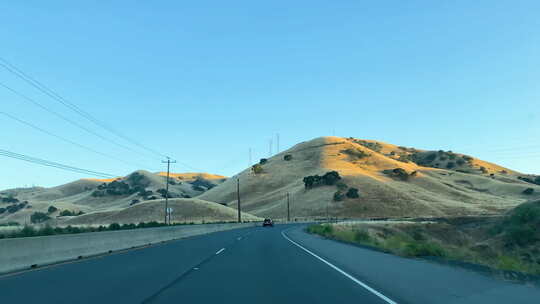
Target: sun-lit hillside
[
  {"x": 193, "y": 176},
  {"x": 377, "y": 179},
  {"x": 462, "y": 187}
]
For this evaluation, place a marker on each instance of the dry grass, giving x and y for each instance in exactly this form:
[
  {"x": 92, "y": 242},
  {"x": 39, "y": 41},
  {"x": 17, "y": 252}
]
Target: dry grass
[
  {"x": 494, "y": 242},
  {"x": 431, "y": 192},
  {"x": 185, "y": 210}
]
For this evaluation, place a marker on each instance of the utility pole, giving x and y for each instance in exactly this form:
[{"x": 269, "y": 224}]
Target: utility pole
[
  {"x": 270, "y": 148},
  {"x": 168, "y": 162},
  {"x": 238, "y": 195},
  {"x": 288, "y": 209},
  {"x": 327, "y": 217},
  {"x": 277, "y": 143}
]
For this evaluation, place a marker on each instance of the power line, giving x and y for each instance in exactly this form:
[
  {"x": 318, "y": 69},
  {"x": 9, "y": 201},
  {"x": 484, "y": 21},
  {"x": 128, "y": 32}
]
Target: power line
[
  {"x": 67, "y": 119},
  {"x": 53, "y": 164},
  {"x": 54, "y": 95},
  {"x": 70, "y": 141}
]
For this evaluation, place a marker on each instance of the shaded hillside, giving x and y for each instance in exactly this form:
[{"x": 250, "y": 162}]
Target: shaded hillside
[
  {"x": 390, "y": 181},
  {"x": 89, "y": 195},
  {"x": 185, "y": 210}
]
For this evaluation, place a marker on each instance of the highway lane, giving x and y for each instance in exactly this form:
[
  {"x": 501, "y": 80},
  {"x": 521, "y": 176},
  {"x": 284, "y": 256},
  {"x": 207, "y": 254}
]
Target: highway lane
[
  {"x": 263, "y": 267},
  {"x": 258, "y": 265}
]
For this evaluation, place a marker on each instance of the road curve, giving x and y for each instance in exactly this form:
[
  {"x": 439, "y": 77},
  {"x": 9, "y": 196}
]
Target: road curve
[{"x": 257, "y": 265}]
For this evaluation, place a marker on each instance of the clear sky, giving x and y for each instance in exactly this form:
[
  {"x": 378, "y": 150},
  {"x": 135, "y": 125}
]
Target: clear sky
[{"x": 204, "y": 81}]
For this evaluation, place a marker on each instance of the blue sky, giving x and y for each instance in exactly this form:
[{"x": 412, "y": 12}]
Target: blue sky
[{"x": 204, "y": 81}]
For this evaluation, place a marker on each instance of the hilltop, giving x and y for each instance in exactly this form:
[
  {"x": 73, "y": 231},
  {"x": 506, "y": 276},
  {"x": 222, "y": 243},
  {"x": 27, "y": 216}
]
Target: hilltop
[{"x": 389, "y": 180}]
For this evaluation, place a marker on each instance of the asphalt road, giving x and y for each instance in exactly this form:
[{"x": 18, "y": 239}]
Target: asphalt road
[{"x": 258, "y": 265}]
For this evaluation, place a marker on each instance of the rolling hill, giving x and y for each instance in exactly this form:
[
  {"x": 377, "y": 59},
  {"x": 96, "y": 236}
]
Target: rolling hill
[
  {"x": 334, "y": 176},
  {"x": 94, "y": 196},
  {"x": 391, "y": 181}
]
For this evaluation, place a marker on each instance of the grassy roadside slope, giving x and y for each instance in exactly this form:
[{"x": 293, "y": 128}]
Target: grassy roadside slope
[{"x": 510, "y": 242}]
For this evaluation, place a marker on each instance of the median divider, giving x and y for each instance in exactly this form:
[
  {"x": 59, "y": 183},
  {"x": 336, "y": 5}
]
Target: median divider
[{"x": 25, "y": 253}]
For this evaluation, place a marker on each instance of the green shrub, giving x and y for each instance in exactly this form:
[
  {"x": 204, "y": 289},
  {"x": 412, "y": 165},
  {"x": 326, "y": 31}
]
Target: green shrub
[
  {"x": 520, "y": 225},
  {"x": 356, "y": 153},
  {"x": 342, "y": 186},
  {"x": 67, "y": 213},
  {"x": 287, "y": 157},
  {"x": 201, "y": 182},
  {"x": 450, "y": 165},
  {"x": 73, "y": 229},
  {"x": 397, "y": 173},
  {"x": 338, "y": 196},
  {"x": 145, "y": 193},
  {"x": 419, "y": 249},
  {"x": 460, "y": 162},
  {"x": 352, "y": 193},
  {"x": 263, "y": 161},
  {"x": 375, "y": 146},
  {"x": 510, "y": 263},
  {"x": 521, "y": 235},
  {"x": 417, "y": 235},
  {"x": 98, "y": 193},
  {"x": 429, "y": 158},
  {"x": 361, "y": 236},
  {"x": 483, "y": 170},
  {"x": 321, "y": 229},
  {"x": 39, "y": 217},
  {"x": 405, "y": 158},
  {"x": 47, "y": 230},
  {"x": 114, "y": 226},
  {"x": 27, "y": 231},
  {"x": 331, "y": 178},
  {"x": 257, "y": 168},
  {"x": 8, "y": 224},
  {"x": 52, "y": 209},
  {"x": 528, "y": 191}
]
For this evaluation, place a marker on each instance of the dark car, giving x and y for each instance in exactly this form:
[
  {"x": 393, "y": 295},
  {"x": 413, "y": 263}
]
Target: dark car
[{"x": 268, "y": 223}]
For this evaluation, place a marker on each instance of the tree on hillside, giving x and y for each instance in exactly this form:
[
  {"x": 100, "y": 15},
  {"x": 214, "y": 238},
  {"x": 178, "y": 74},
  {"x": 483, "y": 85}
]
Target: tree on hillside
[
  {"x": 39, "y": 217},
  {"x": 352, "y": 193},
  {"x": 528, "y": 191},
  {"x": 257, "y": 168},
  {"x": 338, "y": 196},
  {"x": 331, "y": 178}
]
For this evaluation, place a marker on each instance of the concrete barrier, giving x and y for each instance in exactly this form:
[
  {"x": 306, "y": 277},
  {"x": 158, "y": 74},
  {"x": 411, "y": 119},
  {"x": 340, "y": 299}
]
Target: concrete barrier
[{"x": 24, "y": 253}]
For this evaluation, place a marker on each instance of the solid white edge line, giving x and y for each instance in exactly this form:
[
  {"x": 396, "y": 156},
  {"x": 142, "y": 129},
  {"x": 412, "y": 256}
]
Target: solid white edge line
[
  {"x": 220, "y": 251},
  {"x": 378, "y": 294}
]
